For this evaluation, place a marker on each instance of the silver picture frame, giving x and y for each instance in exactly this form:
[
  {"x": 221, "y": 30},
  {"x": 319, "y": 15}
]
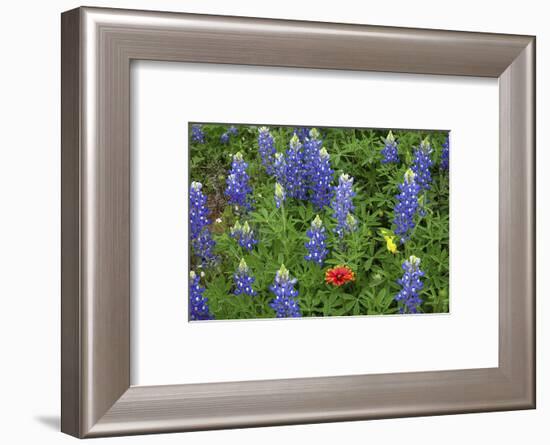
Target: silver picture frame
[{"x": 98, "y": 46}]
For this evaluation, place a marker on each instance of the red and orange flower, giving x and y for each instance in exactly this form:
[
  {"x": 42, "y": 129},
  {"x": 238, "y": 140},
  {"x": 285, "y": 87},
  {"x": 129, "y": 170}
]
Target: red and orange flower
[{"x": 339, "y": 275}]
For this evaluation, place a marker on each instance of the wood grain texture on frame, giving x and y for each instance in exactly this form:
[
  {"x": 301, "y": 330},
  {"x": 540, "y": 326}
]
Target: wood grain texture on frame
[{"x": 97, "y": 48}]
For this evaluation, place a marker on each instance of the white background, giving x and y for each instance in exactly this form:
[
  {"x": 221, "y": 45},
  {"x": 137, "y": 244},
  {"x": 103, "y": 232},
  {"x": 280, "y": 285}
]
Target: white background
[
  {"x": 30, "y": 198},
  {"x": 163, "y": 103}
]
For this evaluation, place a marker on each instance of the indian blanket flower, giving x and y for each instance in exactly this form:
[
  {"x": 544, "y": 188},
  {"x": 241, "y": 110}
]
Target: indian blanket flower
[
  {"x": 237, "y": 189},
  {"x": 198, "y": 303},
  {"x": 266, "y": 148},
  {"x": 316, "y": 246},
  {"x": 390, "y": 150},
  {"x": 243, "y": 280},
  {"x": 280, "y": 195},
  {"x": 342, "y": 206},
  {"x": 285, "y": 303},
  {"x": 197, "y": 134},
  {"x": 339, "y": 275},
  {"x": 422, "y": 163},
  {"x": 444, "y": 163},
  {"x": 411, "y": 285},
  {"x": 406, "y": 206},
  {"x": 201, "y": 238},
  {"x": 294, "y": 183},
  {"x": 244, "y": 235}
]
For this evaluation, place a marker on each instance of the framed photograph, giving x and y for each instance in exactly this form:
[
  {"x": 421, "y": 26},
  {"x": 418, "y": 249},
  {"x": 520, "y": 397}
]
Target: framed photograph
[{"x": 270, "y": 222}]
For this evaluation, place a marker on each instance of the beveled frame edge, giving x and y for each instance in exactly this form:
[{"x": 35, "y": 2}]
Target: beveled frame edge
[{"x": 97, "y": 48}]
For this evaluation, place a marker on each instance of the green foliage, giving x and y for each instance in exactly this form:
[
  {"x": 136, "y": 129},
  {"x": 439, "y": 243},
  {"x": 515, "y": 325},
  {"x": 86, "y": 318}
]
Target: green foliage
[{"x": 282, "y": 232}]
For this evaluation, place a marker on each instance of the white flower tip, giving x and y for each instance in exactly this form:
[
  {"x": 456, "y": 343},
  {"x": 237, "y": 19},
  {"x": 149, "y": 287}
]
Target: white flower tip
[
  {"x": 409, "y": 176},
  {"x": 415, "y": 261},
  {"x": 317, "y": 222},
  {"x": 314, "y": 133},
  {"x": 195, "y": 185},
  {"x": 283, "y": 272},
  {"x": 243, "y": 267},
  {"x": 279, "y": 191}
]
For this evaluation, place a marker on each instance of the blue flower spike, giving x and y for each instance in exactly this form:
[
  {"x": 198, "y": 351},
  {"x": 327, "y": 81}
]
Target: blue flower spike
[
  {"x": 320, "y": 179},
  {"x": 342, "y": 206},
  {"x": 201, "y": 238},
  {"x": 389, "y": 152},
  {"x": 411, "y": 285},
  {"x": 243, "y": 280},
  {"x": 244, "y": 235},
  {"x": 266, "y": 148},
  {"x": 422, "y": 163},
  {"x": 285, "y": 303},
  {"x": 316, "y": 246},
  {"x": 197, "y": 134},
  {"x": 444, "y": 163},
  {"x": 198, "y": 303},
  {"x": 294, "y": 178},
  {"x": 237, "y": 189},
  {"x": 407, "y": 206}
]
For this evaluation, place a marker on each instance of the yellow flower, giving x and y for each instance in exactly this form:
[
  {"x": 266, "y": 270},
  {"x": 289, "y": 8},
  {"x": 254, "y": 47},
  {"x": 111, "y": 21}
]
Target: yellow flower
[{"x": 392, "y": 247}]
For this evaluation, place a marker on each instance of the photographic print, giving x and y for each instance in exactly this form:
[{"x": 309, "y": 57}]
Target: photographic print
[{"x": 292, "y": 222}]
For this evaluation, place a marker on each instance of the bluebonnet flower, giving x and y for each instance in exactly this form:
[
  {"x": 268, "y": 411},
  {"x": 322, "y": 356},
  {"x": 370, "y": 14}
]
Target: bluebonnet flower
[
  {"x": 279, "y": 168},
  {"x": 411, "y": 285},
  {"x": 244, "y": 235},
  {"x": 295, "y": 185},
  {"x": 243, "y": 280},
  {"x": 317, "y": 171},
  {"x": 224, "y": 138},
  {"x": 320, "y": 176},
  {"x": 201, "y": 239},
  {"x": 316, "y": 246},
  {"x": 197, "y": 134},
  {"x": 198, "y": 303},
  {"x": 406, "y": 206},
  {"x": 266, "y": 147},
  {"x": 444, "y": 164},
  {"x": 231, "y": 131},
  {"x": 280, "y": 195},
  {"x": 303, "y": 133},
  {"x": 342, "y": 206},
  {"x": 237, "y": 189},
  {"x": 422, "y": 163},
  {"x": 285, "y": 303},
  {"x": 312, "y": 145},
  {"x": 390, "y": 150}
]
